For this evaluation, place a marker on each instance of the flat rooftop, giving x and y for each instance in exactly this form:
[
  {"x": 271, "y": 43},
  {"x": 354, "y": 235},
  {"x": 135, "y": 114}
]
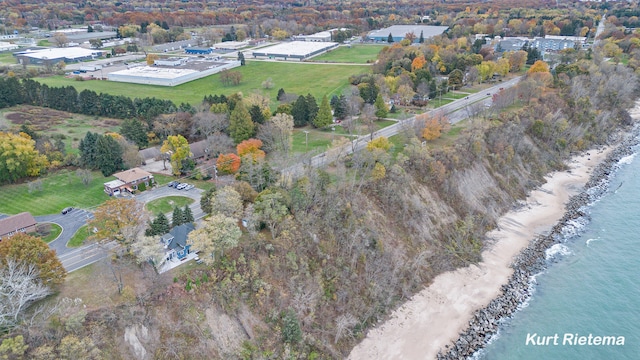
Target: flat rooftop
[
  {"x": 155, "y": 71},
  {"x": 57, "y": 53},
  {"x": 401, "y": 30},
  {"x": 296, "y": 48}
]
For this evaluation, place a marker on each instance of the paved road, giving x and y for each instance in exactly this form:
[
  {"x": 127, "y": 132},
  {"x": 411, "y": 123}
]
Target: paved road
[
  {"x": 165, "y": 191},
  {"x": 456, "y": 111},
  {"x": 70, "y": 223},
  {"x": 75, "y": 258}
]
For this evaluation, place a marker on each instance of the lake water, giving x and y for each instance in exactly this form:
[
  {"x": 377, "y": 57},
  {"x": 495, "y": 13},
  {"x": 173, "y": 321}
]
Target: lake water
[{"x": 591, "y": 287}]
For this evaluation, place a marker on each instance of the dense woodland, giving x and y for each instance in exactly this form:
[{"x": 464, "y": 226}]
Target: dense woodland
[{"x": 327, "y": 255}]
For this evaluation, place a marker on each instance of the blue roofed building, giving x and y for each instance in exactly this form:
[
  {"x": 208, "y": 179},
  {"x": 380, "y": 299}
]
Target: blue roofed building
[
  {"x": 198, "y": 51},
  {"x": 175, "y": 243}
]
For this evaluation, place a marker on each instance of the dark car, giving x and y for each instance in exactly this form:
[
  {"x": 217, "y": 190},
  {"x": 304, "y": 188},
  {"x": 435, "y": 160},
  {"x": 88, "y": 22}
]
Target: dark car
[
  {"x": 66, "y": 210},
  {"x": 173, "y": 184}
]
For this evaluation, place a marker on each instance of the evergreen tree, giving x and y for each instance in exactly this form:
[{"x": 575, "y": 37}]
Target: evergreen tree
[
  {"x": 88, "y": 152},
  {"x": 257, "y": 116},
  {"x": 324, "y": 117},
  {"x": 299, "y": 112},
  {"x": 312, "y": 107},
  {"x": 108, "y": 155},
  {"x": 421, "y": 39},
  {"x": 281, "y": 94},
  {"x": 390, "y": 38},
  {"x": 133, "y": 130},
  {"x": 381, "y": 108},
  {"x": 340, "y": 107},
  {"x": 187, "y": 215},
  {"x": 240, "y": 125},
  {"x": 206, "y": 200},
  {"x": 159, "y": 226},
  {"x": 177, "y": 218}
]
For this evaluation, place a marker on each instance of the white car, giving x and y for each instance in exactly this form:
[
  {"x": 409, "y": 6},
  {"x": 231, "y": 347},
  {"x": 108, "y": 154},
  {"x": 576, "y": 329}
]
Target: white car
[
  {"x": 189, "y": 187},
  {"x": 181, "y": 186}
]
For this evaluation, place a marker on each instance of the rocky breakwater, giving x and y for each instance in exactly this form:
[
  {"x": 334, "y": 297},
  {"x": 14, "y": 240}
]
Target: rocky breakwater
[{"x": 532, "y": 260}]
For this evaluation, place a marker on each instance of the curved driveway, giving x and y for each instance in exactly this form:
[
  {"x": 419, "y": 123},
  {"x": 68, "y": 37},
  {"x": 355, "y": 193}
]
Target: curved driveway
[{"x": 76, "y": 258}]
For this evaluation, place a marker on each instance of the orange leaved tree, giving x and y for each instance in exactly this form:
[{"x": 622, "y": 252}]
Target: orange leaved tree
[
  {"x": 251, "y": 148},
  {"x": 228, "y": 163}
]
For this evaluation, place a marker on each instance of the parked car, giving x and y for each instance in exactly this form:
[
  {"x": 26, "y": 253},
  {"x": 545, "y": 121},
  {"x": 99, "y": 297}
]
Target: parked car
[
  {"x": 66, "y": 210},
  {"x": 181, "y": 186},
  {"x": 173, "y": 184},
  {"x": 189, "y": 187}
]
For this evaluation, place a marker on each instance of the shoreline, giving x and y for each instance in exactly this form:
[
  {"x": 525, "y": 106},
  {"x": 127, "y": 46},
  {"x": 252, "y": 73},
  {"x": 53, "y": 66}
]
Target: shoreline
[{"x": 459, "y": 312}]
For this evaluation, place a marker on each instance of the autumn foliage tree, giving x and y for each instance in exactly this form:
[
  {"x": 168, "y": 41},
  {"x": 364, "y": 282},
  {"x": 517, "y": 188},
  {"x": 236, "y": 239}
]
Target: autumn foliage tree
[
  {"x": 434, "y": 125},
  {"x": 19, "y": 157},
  {"x": 250, "y": 148},
  {"x": 179, "y": 148},
  {"x": 228, "y": 163},
  {"x": 538, "y": 66},
  {"x": 117, "y": 219},
  {"x": 28, "y": 249}
]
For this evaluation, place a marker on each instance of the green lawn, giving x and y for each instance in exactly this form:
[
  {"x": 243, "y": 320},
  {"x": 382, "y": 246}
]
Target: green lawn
[
  {"x": 166, "y": 204},
  {"x": 293, "y": 77},
  {"x": 79, "y": 237},
  {"x": 359, "y": 54},
  {"x": 55, "y": 232},
  {"x": 7, "y": 57},
  {"x": 59, "y": 190},
  {"x": 200, "y": 184}
]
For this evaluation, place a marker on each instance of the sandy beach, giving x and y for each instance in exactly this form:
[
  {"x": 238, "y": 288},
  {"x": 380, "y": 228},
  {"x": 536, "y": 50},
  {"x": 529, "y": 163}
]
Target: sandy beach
[{"x": 435, "y": 316}]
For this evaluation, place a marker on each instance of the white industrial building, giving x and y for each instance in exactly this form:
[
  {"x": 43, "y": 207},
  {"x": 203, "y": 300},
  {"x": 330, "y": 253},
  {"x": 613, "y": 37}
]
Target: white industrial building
[
  {"x": 55, "y": 55},
  {"x": 168, "y": 76},
  {"x": 5, "y": 46},
  {"x": 323, "y": 36},
  {"x": 298, "y": 50}
]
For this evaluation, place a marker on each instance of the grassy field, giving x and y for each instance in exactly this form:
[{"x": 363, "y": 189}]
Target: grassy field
[
  {"x": 293, "y": 77},
  {"x": 55, "y": 232},
  {"x": 320, "y": 139},
  {"x": 7, "y": 58},
  {"x": 166, "y": 204},
  {"x": 49, "y": 121},
  {"x": 359, "y": 54},
  {"x": 59, "y": 190},
  {"x": 79, "y": 237}
]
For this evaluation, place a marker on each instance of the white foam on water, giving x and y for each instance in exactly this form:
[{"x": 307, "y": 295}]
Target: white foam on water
[
  {"x": 589, "y": 241},
  {"x": 557, "y": 250},
  {"x": 627, "y": 159}
]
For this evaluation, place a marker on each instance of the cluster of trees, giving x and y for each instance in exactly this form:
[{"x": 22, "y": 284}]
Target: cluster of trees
[
  {"x": 160, "y": 224},
  {"x": 101, "y": 152},
  {"x": 30, "y": 92}
]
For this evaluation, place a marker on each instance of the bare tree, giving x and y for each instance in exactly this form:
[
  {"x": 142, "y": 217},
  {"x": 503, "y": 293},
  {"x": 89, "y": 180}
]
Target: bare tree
[
  {"x": 219, "y": 143},
  {"x": 84, "y": 175},
  {"x": 20, "y": 286},
  {"x": 60, "y": 40}
]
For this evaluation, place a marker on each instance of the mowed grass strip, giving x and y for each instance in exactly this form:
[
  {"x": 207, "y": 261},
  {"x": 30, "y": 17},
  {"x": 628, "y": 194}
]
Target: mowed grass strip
[
  {"x": 358, "y": 54},
  {"x": 79, "y": 237},
  {"x": 293, "y": 77},
  {"x": 166, "y": 204},
  {"x": 55, "y": 232},
  {"x": 59, "y": 190}
]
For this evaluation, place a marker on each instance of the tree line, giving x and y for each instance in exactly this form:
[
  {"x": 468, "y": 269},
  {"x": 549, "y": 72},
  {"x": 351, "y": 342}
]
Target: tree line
[{"x": 30, "y": 92}]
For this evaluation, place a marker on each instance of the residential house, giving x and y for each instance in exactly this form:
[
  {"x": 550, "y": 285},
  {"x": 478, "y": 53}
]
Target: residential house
[
  {"x": 199, "y": 150},
  {"x": 150, "y": 154},
  {"x": 128, "y": 180},
  {"x": 23, "y": 222},
  {"x": 175, "y": 242}
]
